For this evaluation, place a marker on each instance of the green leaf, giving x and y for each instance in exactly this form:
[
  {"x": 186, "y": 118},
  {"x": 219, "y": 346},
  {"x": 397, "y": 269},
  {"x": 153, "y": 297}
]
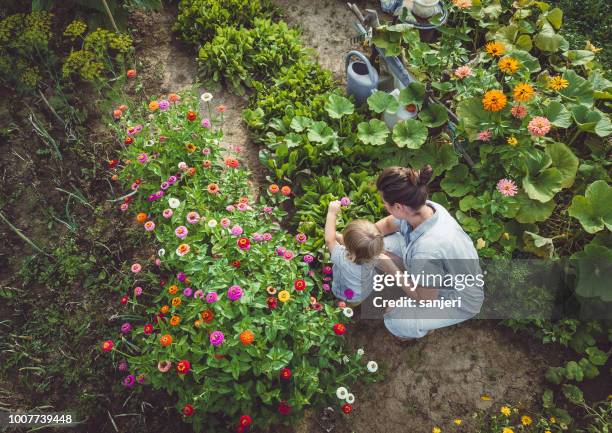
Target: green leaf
[
  {"x": 554, "y": 375},
  {"x": 527, "y": 60},
  {"x": 555, "y": 17},
  {"x": 299, "y": 123},
  {"x": 321, "y": 133},
  {"x": 413, "y": 94},
  {"x": 440, "y": 156},
  {"x": 374, "y": 132},
  {"x": 538, "y": 245},
  {"x": 524, "y": 42},
  {"x": 558, "y": 114},
  {"x": 434, "y": 115},
  {"x": 468, "y": 223},
  {"x": 564, "y": 160},
  {"x": 531, "y": 211},
  {"x": 590, "y": 371},
  {"x": 471, "y": 116},
  {"x": 338, "y": 106},
  {"x": 579, "y": 89},
  {"x": 594, "y": 209},
  {"x": 573, "y": 371},
  {"x": 379, "y": 102},
  {"x": 596, "y": 356},
  {"x": 548, "y": 40},
  {"x": 593, "y": 272},
  {"x": 544, "y": 185},
  {"x": 592, "y": 120},
  {"x": 548, "y": 399},
  {"x": 457, "y": 182},
  {"x": 579, "y": 57},
  {"x": 573, "y": 393},
  {"x": 409, "y": 133}
]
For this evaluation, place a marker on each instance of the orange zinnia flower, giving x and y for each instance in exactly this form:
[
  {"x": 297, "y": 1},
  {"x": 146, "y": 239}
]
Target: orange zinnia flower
[
  {"x": 176, "y": 301},
  {"x": 173, "y": 97},
  {"x": 221, "y": 108},
  {"x": 273, "y": 188},
  {"x": 172, "y": 289},
  {"x": 508, "y": 65},
  {"x": 247, "y": 337},
  {"x": 153, "y": 105},
  {"x": 285, "y": 190},
  {"x": 231, "y": 162},
  {"x": 165, "y": 309},
  {"x": 191, "y": 171},
  {"x": 165, "y": 340},
  {"x": 206, "y": 163},
  {"x": 496, "y": 49},
  {"x": 494, "y": 100},
  {"x": 213, "y": 188},
  {"x": 207, "y": 316},
  {"x": 523, "y": 92},
  {"x": 197, "y": 323},
  {"x": 190, "y": 147},
  {"x": 244, "y": 200},
  {"x": 175, "y": 320},
  {"x": 141, "y": 217}
]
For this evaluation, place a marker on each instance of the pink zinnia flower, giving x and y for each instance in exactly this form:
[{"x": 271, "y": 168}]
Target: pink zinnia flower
[
  {"x": 164, "y": 366},
  {"x": 182, "y": 165},
  {"x": 128, "y": 381},
  {"x": 518, "y": 111},
  {"x": 327, "y": 270},
  {"x": 137, "y": 291},
  {"x": 193, "y": 217},
  {"x": 212, "y": 297},
  {"x": 243, "y": 207},
  {"x": 225, "y": 222},
  {"x": 236, "y": 230},
  {"x": 187, "y": 291},
  {"x": 136, "y": 268},
  {"x": 206, "y": 151},
  {"x": 181, "y": 232},
  {"x": 345, "y": 201},
  {"x": 142, "y": 158},
  {"x": 257, "y": 237},
  {"x": 267, "y": 237},
  {"x": 326, "y": 287},
  {"x": 288, "y": 255},
  {"x": 123, "y": 207},
  {"x": 198, "y": 294},
  {"x": 507, "y": 187},
  {"x": 539, "y": 126},
  {"x": 463, "y": 72},
  {"x": 230, "y": 208},
  {"x": 216, "y": 338},
  {"x": 308, "y": 258},
  {"x": 149, "y": 226},
  {"x": 267, "y": 209},
  {"x": 485, "y": 135},
  {"x": 167, "y": 213},
  {"x": 301, "y": 238},
  {"x": 280, "y": 250},
  {"x": 163, "y": 104},
  {"x": 234, "y": 293},
  {"x": 205, "y": 123},
  {"x": 126, "y": 328}
]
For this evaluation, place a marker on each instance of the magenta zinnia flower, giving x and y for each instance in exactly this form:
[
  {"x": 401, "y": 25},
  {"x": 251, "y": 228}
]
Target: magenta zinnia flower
[
  {"x": 280, "y": 251},
  {"x": 308, "y": 258},
  {"x": 212, "y": 297},
  {"x": 349, "y": 294},
  {"x": 142, "y": 158},
  {"x": 181, "y": 276},
  {"x": 288, "y": 255},
  {"x": 507, "y": 187},
  {"x": 123, "y": 366},
  {"x": 230, "y": 208},
  {"x": 163, "y": 104},
  {"x": 187, "y": 291},
  {"x": 181, "y": 232},
  {"x": 137, "y": 291},
  {"x": 216, "y": 338},
  {"x": 345, "y": 201},
  {"x": 267, "y": 236},
  {"x": 485, "y": 135},
  {"x": 539, "y": 126},
  {"x": 234, "y": 293},
  {"x": 301, "y": 238},
  {"x": 236, "y": 230},
  {"x": 126, "y": 328},
  {"x": 205, "y": 123},
  {"x": 129, "y": 380}
]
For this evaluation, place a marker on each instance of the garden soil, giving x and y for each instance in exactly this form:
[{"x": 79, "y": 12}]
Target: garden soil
[{"x": 451, "y": 373}]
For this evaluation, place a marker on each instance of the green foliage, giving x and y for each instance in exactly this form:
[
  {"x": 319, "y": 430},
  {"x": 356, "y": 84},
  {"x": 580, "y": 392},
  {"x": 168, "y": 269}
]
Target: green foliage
[{"x": 198, "y": 20}]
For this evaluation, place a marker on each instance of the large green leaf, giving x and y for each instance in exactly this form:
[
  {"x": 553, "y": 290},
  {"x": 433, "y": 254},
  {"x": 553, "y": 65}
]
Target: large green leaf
[
  {"x": 555, "y": 17},
  {"x": 413, "y": 94},
  {"x": 319, "y": 132},
  {"x": 548, "y": 40},
  {"x": 531, "y": 211},
  {"x": 594, "y": 208},
  {"x": 338, "y": 106},
  {"x": 440, "y": 156},
  {"x": 594, "y": 271},
  {"x": 527, "y": 60},
  {"x": 471, "y": 116},
  {"x": 558, "y": 114},
  {"x": 538, "y": 245},
  {"x": 374, "y": 132},
  {"x": 592, "y": 120},
  {"x": 457, "y": 182},
  {"x": 579, "y": 57},
  {"x": 542, "y": 181},
  {"x": 434, "y": 115},
  {"x": 468, "y": 223},
  {"x": 564, "y": 160},
  {"x": 579, "y": 90},
  {"x": 409, "y": 133},
  {"x": 299, "y": 123},
  {"x": 379, "y": 102}
]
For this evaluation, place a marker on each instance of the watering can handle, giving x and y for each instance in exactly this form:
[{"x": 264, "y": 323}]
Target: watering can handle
[{"x": 365, "y": 60}]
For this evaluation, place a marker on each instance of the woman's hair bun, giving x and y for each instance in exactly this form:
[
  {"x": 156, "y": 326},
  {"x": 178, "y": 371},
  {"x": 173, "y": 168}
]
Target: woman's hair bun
[{"x": 425, "y": 175}]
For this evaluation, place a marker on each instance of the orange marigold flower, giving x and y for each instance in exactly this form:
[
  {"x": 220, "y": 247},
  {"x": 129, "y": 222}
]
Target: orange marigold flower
[
  {"x": 165, "y": 309},
  {"x": 175, "y": 320},
  {"x": 508, "y": 65},
  {"x": 213, "y": 188},
  {"x": 285, "y": 190},
  {"x": 173, "y": 289},
  {"x": 247, "y": 337},
  {"x": 496, "y": 49},
  {"x": 523, "y": 92},
  {"x": 207, "y": 316},
  {"x": 165, "y": 340},
  {"x": 494, "y": 100},
  {"x": 141, "y": 217},
  {"x": 176, "y": 301},
  {"x": 190, "y": 147},
  {"x": 273, "y": 188},
  {"x": 153, "y": 105}
]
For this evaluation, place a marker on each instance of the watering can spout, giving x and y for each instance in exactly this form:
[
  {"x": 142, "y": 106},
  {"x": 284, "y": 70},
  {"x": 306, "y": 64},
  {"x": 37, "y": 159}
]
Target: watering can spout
[{"x": 361, "y": 77}]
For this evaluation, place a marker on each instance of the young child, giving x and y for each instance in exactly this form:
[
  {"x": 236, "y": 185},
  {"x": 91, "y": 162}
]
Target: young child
[{"x": 353, "y": 255}]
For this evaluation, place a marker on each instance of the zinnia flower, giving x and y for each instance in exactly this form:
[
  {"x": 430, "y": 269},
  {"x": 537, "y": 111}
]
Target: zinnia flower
[
  {"x": 183, "y": 366},
  {"x": 345, "y": 201},
  {"x": 247, "y": 337},
  {"x": 284, "y": 408},
  {"x": 174, "y": 203},
  {"x": 205, "y": 123},
  {"x": 165, "y": 340},
  {"x": 463, "y": 72},
  {"x": 225, "y": 222},
  {"x": 507, "y": 187},
  {"x": 188, "y": 410},
  {"x": 505, "y": 410},
  {"x": 129, "y": 381},
  {"x": 518, "y": 111},
  {"x": 348, "y": 312},
  {"x": 149, "y": 226},
  {"x": 163, "y": 104},
  {"x": 339, "y": 329},
  {"x": 512, "y": 141},
  {"x": 308, "y": 258},
  {"x": 462, "y": 4},
  {"x": 126, "y": 328},
  {"x": 301, "y": 238},
  {"x": 212, "y": 223},
  {"x": 164, "y": 366},
  {"x": 182, "y": 250},
  {"x": 283, "y": 296},
  {"x": 508, "y": 65},
  {"x": 167, "y": 213},
  {"x": 187, "y": 291},
  {"x": 557, "y": 83},
  {"x": 341, "y": 392},
  {"x": 523, "y": 92},
  {"x": 107, "y": 345},
  {"x": 288, "y": 255},
  {"x": 211, "y": 297},
  {"x": 136, "y": 267},
  {"x": 173, "y": 97},
  {"x": 231, "y": 162},
  {"x": 299, "y": 285},
  {"x": 193, "y": 217},
  {"x": 243, "y": 243},
  {"x": 213, "y": 188},
  {"x": 494, "y": 100},
  {"x": 234, "y": 293},
  {"x": 216, "y": 338},
  {"x": 148, "y": 329},
  {"x": 285, "y": 190},
  {"x": 273, "y": 188},
  {"x": 347, "y": 408},
  {"x": 372, "y": 366},
  {"x": 142, "y": 158},
  {"x": 539, "y": 126},
  {"x": 181, "y": 232},
  {"x": 123, "y": 366},
  {"x": 485, "y": 135},
  {"x": 206, "y": 97},
  {"x": 526, "y": 420},
  {"x": 494, "y": 48}
]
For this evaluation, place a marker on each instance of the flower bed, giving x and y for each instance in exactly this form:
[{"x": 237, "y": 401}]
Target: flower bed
[{"x": 241, "y": 332}]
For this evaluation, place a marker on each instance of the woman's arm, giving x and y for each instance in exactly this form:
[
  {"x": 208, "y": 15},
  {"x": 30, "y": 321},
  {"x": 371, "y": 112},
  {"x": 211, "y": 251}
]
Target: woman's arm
[
  {"x": 330, "y": 225},
  {"x": 387, "y": 225}
]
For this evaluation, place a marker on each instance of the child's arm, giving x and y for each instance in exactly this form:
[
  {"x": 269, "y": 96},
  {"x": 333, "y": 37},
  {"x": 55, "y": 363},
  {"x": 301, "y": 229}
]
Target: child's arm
[
  {"x": 330, "y": 225},
  {"x": 387, "y": 225}
]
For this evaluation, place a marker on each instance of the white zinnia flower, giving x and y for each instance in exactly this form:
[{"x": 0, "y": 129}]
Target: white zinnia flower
[
  {"x": 346, "y": 359},
  {"x": 206, "y": 97},
  {"x": 360, "y": 351},
  {"x": 348, "y": 312},
  {"x": 161, "y": 252},
  {"x": 182, "y": 165},
  {"x": 372, "y": 366},
  {"x": 341, "y": 393},
  {"x": 212, "y": 223},
  {"x": 350, "y": 399},
  {"x": 174, "y": 202}
]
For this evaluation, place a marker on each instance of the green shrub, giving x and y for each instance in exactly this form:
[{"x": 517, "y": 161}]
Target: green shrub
[
  {"x": 198, "y": 20},
  {"x": 242, "y": 56}
]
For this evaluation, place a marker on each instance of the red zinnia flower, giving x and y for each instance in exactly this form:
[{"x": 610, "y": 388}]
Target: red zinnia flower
[
  {"x": 191, "y": 116},
  {"x": 347, "y": 408},
  {"x": 245, "y": 420},
  {"x": 272, "y": 302},
  {"x": 125, "y": 299},
  {"x": 131, "y": 73},
  {"x": 183, "y": 367},
  {"x": 284, "y": 408},
  {"x": 113, "y": 163},
  {"x": 148, "y": 329},
  {"x": 285, "y": 374},
  {"x": 231, "y": 162},
  {"x": 299, "y": 285},
  {"x": 339, "y": 328},
  {"x": 244, "y": 243},
  {"x": 236, "y": 263},
  {"x": 107, "y": 346},
  {"x": 128, "y": 140},
  {"x": 188, "y": 410}
]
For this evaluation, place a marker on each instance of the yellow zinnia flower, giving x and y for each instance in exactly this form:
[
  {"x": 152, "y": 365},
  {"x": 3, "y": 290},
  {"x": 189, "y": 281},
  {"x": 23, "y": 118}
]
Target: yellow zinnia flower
[
  {"x": 505, "y": 410},
  {"x": 552, "y": 419},
  {"x": 512, "y": 141},
  {"x": 526, "y": 420},
  {"x": 436, "y": 430},
  {"x": 496, "y": 49},
  {"x": 494, "y": 100},
  {"x": 507, "y": 430},
  {"x": 508, "y": 65},
  {"x": 485, "y": 397},
  {"x": 283, "y": 296},
  {"x": 458, "y": 421},
  {"x": 523, "y": 92},
  {"x": 557, "y": 83}
]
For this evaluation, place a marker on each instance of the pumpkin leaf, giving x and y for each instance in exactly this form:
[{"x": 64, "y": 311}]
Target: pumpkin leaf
[
  {"x": 338, "y": 106},
  {"x": 414, "y": 93},
  {"x": 558, "y": 114},
  {"x": 374, "y": 132},
  {"x": 531, "y": 211},
  {"x": 458, "y": 182},
  {"x": 379, "y": 102},
  {"x": 409, "y": 133},
  {"x": 564, "y": 160},
  {"x": 594, "y": 208},
  {"x": 434, "y": 115}
]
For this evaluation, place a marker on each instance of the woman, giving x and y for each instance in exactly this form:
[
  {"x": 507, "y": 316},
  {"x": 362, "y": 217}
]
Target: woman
[{"x": 440, "y": 258}]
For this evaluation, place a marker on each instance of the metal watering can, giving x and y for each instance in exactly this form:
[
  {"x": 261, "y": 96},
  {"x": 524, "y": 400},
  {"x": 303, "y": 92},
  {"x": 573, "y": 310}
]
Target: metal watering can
[{"x": 361, "y": 77}]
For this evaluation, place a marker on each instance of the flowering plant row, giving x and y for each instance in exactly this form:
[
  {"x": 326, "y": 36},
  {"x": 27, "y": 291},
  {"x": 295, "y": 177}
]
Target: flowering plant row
[{"x": 240, "y": 332}]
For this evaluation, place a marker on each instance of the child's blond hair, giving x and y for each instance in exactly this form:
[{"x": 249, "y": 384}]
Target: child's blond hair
[{"x": 363, "y": 241}]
